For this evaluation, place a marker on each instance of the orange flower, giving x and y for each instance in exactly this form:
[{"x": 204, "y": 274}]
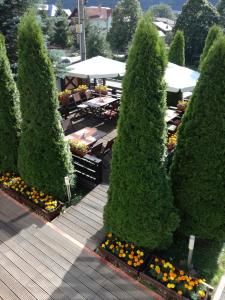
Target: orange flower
[
  {"x": 129, "y": 262},
  {"x": 181, "y": 272}
]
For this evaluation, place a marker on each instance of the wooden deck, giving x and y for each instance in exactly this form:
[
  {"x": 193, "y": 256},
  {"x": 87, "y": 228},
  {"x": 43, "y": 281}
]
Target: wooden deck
[{"x": 55, "y": 260}]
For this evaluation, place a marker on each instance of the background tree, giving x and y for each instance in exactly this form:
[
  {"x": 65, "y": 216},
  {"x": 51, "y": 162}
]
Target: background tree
[
  {"x": 196, "y": 18},
  {"x": 214, "y": 33},
  {"x": 221, "y": 10},
  {"x": 177, "y": 49},
  {"x": 10, "y": 13},
  {"x": 139, "y": 207},
  {"x": 9, "y": 114},
  {"x": 162, "y": 11},
  {"x": 44, "y": 157},
  {"x": 62, "y": 36},
  {"x": 124, "y": 22},
  {"x": 198, "y": 169},
  {"x": 97, "y": 44}
]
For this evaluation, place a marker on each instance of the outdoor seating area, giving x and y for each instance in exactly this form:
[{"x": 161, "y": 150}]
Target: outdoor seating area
[{"x": 90, "y": 127}]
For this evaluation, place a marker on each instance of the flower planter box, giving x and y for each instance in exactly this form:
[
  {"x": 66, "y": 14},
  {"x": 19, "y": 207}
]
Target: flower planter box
[
  {"x": 161, "y": 289},
  {"x": 118, "y": 262},
  {"x": 48, "y": 215},
  {"x": 167, "y": 293}
]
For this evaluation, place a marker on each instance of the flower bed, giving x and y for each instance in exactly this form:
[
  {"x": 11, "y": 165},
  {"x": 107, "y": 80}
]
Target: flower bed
[
  {"x": 169, "y": 281},
  {"x": 123, "y": 255},
  {"x": 173, "y": 282},
  {"x": 64, "y": 97},
  {"x": 42, "y": 204},
  {"x": 172, "y": 141}
]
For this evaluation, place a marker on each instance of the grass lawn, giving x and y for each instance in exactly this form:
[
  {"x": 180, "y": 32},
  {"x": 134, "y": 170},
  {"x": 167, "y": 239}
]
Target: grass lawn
[{"x": 208, "y": 258}]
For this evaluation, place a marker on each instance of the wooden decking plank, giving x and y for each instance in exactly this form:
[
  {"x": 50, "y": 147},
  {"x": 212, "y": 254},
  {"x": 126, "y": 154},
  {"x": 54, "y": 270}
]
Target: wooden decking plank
[
  {"x": 101, "y": 196},
  {"x": 60, "y": 264},
  {"x": 84, "y": 268},
  {"x": 69, "y": 228},
  {"x": 93, "y": 211},
  {"x": 6, "y": 293},
  {"x": 34, "y": 269},
  {"x": 95, "y": 199},
  {"x": 84, "y": 218},
  {"x": 26, "y": 281},
  {"x": 93, "y": 204},
  {"x": 82, "y": 224},
  {"x": 17, "y": 287},
  {"x": 88, "y": 213},
  {"x": 82, "y": 228}
]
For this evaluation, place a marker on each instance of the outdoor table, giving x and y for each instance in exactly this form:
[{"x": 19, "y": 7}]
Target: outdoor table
[
  {"x": 170, "y": 115},
  {"x": 100, "y": 102},
  {"x": 86, "y": 135}
]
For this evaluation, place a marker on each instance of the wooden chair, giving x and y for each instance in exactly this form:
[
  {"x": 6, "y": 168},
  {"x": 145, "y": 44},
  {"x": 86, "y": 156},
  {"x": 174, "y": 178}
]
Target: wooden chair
[
  {"x": 77, "y": 97},
  {"x": 96, "y": 150},
  {"x": 88, "y": 94},
  {"x": 107, "y": 148}
]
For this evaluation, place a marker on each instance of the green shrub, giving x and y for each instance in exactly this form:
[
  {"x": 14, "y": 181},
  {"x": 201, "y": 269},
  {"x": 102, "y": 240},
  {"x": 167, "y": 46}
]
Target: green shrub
[
  {"x": 9, "y": 114},
  {"x": 44, "y": 157},
  {"x": 139, "y": 207},
  {"x": 198, "y": 168}
]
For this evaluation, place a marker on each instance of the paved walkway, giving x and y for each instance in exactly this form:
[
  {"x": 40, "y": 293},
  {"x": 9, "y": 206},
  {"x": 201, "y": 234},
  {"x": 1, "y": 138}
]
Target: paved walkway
[{"x": 55, "y": 260}]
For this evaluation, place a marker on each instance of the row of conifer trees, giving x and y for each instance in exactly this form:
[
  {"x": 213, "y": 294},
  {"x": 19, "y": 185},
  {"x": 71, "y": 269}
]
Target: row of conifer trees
[
  {"x": 31, "y": 138},
  {"x": 146, "y": 205}
]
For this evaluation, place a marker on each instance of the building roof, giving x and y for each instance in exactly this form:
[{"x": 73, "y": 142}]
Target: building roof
[
  {"x": 163, "y": 26},
  {"x": 98, "y": 12},
  {"x": 166, "y": 21}
]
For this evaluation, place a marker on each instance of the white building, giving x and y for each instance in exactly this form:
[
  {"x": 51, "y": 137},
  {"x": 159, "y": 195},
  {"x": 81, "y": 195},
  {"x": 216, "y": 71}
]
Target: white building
[{"x": 51, "y": 9}]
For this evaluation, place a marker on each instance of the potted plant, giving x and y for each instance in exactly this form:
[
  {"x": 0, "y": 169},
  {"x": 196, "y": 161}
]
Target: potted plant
[
  {"x": 101, "y": 89},
  {"x": 64, "y": 97},
  {"x": 172, "y": 141},
  {"x": 182, "y": 105},
  {"x": 78, "y": 147}
]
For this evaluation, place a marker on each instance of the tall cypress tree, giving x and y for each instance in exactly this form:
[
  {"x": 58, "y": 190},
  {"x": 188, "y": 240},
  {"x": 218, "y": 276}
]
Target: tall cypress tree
[
  {"x": 221, "y": 10},
  {"x": 44, "y": 157},
  {"x": 9, "y": 114},
  {"x": 196, "y": 18},
  {"x": 214, "y": 33},
  {"x": 198, "y": 169},
  {"x": 139, "y": 207},
  {"x": 10, "y": 13},
  {"x": 177, "y": 49}
]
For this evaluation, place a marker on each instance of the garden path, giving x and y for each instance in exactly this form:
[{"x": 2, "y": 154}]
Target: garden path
[{"x": 41, "y": 260}]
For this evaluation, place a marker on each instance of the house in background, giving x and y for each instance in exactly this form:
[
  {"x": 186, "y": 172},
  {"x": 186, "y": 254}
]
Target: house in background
[
  {"x": 100, "y": 17},
  {"x": 51, "y": 9}
]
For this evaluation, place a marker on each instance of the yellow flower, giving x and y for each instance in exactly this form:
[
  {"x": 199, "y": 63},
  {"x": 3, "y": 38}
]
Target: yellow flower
[
  {"x": 129, "y": 262},
  {"x": 180, "y": 293},
  {"x": 201, "y": 293},
  {"x": 103, "y": 245},
  {"x": 152, "y": 266},
  {"x": 171, "y": 285},
  {"x": 111, "y": 247},
  {"x": 156, "y": 259}
]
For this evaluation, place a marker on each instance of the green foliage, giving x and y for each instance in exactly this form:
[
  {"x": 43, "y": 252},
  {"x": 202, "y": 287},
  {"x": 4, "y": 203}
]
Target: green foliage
[
  {"x": 213, "y": 35},
  {"x": 10, "y": 13},
  {"x": 196, "y": 18},
  {"x": 177, "y": 49},
  {"x": 9, "y": 114},
  {"x": 47, "y": 25},
  {"x": 97, "y": 44},
  {"x": 139, "y": 207},
  {"x": 221, "y": 10},
  {"x": 124, "y": 22},
  {"x": 198, "y": 169},
  {"x": 62, "y": 36},
  {"x": 162, "y": 11},
  {"x": 44, "y": 157}
]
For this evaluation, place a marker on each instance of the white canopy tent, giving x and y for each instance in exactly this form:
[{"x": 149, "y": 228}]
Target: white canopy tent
[
  {"x": 176, "y": 77},
  {"x": 97, "y": 67},
  {"x": 180, "y": 78}
]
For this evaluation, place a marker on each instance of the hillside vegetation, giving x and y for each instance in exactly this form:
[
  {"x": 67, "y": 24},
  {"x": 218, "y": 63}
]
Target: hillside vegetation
[{"x": 175, "y": 4}]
